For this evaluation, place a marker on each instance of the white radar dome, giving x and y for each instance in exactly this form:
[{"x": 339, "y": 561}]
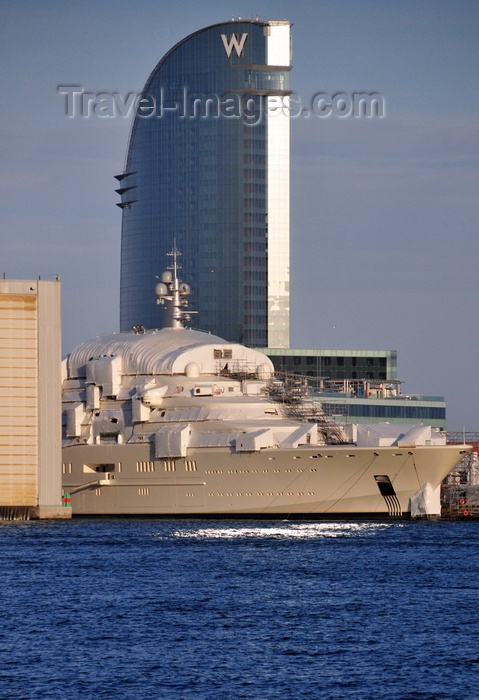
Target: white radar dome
[
  {"x": 161, "y": 289},
  {"x": 263, "y": 371},
  {"x": 192, "y": 369}
]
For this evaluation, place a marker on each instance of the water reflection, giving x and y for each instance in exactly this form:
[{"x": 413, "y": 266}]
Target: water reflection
[{"x": 282, "y": 531}]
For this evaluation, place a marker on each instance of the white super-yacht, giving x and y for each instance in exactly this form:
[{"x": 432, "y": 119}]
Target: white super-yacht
[{"x": 179, "y": 422}]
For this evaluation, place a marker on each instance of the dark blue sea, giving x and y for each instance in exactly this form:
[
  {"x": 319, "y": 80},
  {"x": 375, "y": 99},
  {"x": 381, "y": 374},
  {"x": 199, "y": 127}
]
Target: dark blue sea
[{"x": 206, "y": 610}]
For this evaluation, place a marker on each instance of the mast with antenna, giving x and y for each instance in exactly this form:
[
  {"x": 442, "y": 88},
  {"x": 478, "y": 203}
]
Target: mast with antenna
[{"x": 173, "y": 294}]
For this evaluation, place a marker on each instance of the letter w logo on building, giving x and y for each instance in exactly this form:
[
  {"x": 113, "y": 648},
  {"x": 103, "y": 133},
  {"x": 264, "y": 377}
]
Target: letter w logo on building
[{"x": 233, "y": 42}]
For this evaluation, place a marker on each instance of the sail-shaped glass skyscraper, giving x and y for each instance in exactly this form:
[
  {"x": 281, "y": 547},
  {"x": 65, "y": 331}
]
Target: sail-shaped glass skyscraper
[{"x": 208, "y": 167}]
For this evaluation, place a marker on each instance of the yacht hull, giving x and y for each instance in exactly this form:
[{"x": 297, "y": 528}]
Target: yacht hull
[{"x": 311, "y": 481}]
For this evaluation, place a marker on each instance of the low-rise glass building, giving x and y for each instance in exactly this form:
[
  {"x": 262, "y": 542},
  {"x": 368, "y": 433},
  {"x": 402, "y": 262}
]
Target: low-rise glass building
[
  {"x": 335, "y": 364},
  {"x": 359, "y": 386}
]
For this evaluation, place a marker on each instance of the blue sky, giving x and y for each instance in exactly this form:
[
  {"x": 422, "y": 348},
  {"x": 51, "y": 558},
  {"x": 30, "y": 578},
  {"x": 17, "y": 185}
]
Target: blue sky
[{"x": 384, "y": 212}]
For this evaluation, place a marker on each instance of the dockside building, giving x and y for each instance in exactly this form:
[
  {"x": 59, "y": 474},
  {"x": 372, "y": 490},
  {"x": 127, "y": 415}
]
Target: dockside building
[{"x": 30, "y": 400}]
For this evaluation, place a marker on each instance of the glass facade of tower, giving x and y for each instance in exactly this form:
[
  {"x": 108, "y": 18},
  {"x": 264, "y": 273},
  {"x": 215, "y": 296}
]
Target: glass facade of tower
[{"x": 208, "y": 169}]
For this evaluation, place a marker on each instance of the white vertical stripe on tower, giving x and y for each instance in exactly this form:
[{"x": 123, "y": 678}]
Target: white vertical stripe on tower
[
  {"x": 278, "y": 44},
  {"x": 278, "y": 131}
]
